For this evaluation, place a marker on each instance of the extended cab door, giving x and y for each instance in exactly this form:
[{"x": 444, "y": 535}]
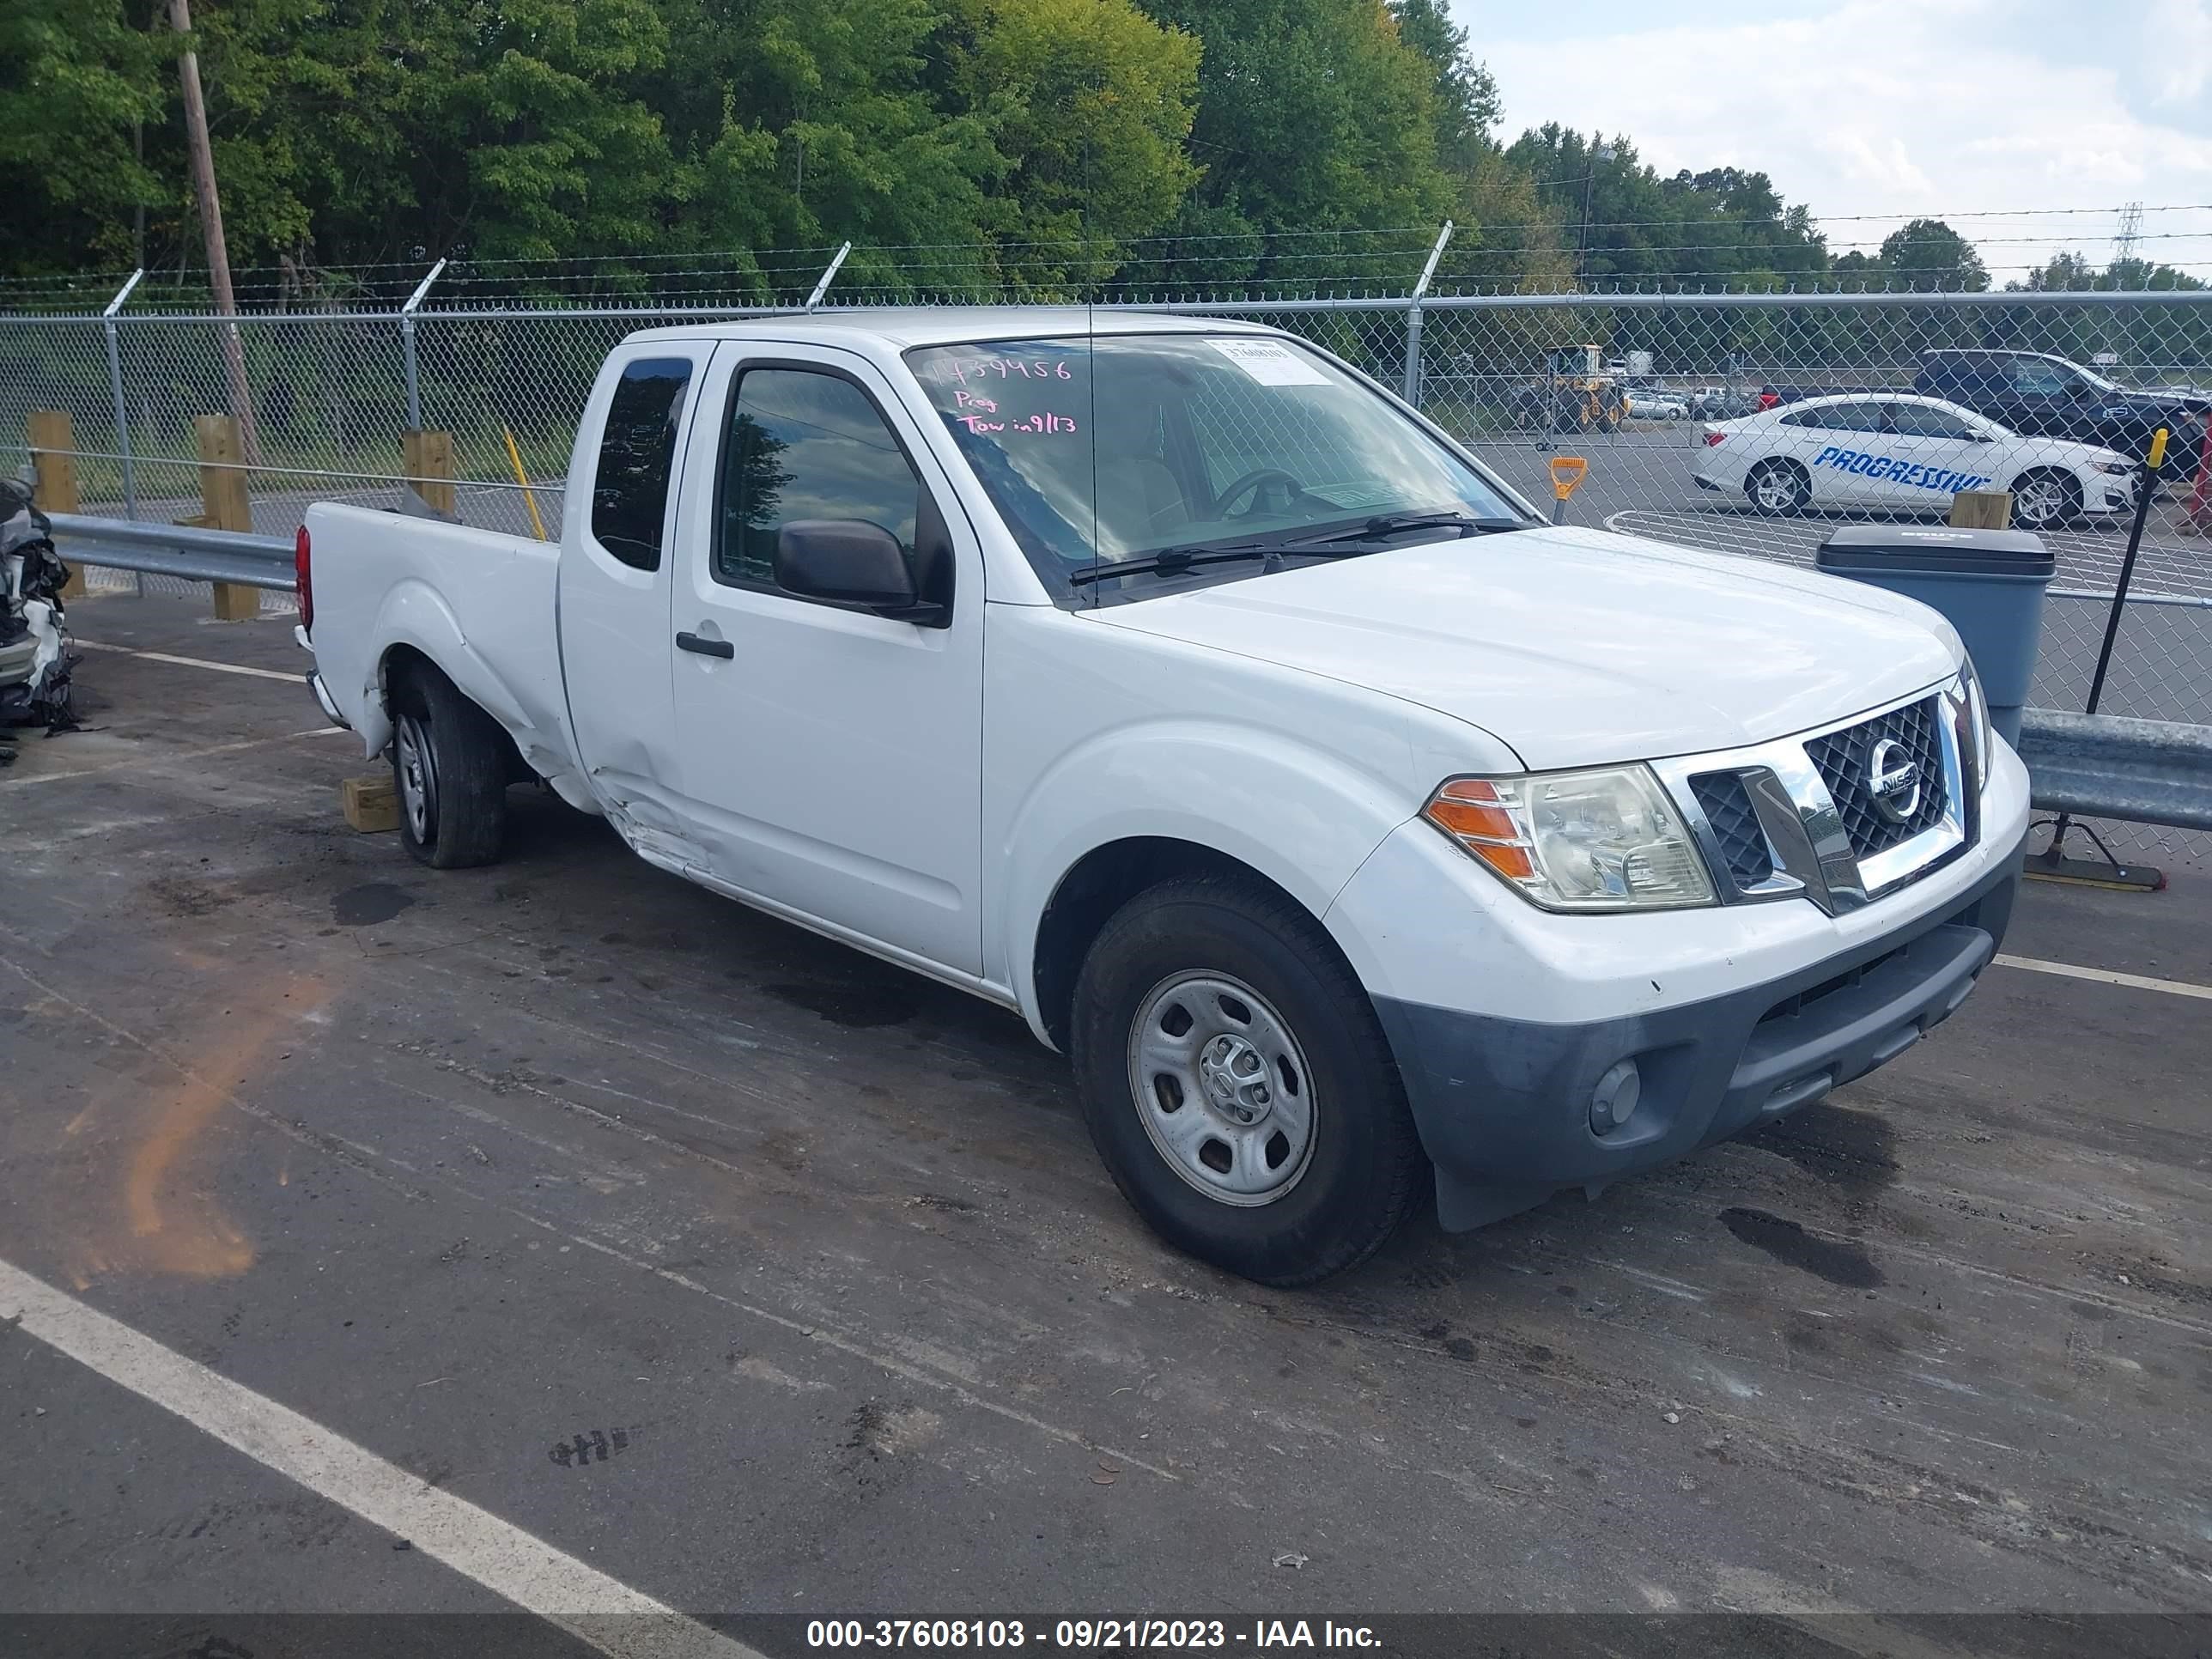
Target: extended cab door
[
  {"x": 831, "y": 758},
  {"x": 617, "y": 522}
]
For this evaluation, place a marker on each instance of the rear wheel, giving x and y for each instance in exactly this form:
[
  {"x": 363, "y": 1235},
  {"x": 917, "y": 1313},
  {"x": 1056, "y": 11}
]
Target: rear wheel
[
  {"x": 1778, "y": 488},
  {"x": 449, "y": 766},
  {"x": 2046, "y": 498},
  {"x": 1237, "y": 1084}
]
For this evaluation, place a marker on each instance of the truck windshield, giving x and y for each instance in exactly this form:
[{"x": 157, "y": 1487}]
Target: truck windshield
[{"x": 1112, "y": 457}]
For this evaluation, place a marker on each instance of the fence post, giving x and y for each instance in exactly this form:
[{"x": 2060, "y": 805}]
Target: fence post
[
  {"x": 115, "y": 389},
  {"x": 53, "y": 461},
  {"x": 407, "y": 346},
  {"x": 222, "y": 492},
  {"x": 828, "y": 277},
  {"x": 1413, "y": 386},
  {"x": 429, "y": 458},
  {"x": 1414, "y": 317}
]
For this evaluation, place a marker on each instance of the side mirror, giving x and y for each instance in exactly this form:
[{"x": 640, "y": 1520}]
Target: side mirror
[{"x": 844, "y": 562}]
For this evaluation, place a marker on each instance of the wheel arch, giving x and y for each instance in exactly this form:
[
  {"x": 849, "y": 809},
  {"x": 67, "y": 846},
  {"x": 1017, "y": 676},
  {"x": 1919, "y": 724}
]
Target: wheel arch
[
  {"x": 1097, "y": 885},
  {"x": 401, "y": 658}
]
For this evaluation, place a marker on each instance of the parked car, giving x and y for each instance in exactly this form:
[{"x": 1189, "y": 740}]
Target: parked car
[
  {"x": 1348, "y": 826},
  {"x": 1654, "y": 405},
  {"x": 1905, "y": 454},
  {"x": 1719, "y": 403},
  {"x": 2044, "y": 396}
]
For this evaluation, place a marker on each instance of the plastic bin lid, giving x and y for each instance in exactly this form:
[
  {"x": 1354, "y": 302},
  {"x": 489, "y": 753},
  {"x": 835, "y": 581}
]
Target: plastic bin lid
[{"x": 1936, "y": 549}]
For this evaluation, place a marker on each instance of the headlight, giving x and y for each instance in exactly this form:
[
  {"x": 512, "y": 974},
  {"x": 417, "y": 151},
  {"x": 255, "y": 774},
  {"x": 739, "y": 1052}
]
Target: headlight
[
  {"x": 1978, "y": 713},
  {"x": 1600, "y": 840},
  {"x": 2117, "y": 469}
]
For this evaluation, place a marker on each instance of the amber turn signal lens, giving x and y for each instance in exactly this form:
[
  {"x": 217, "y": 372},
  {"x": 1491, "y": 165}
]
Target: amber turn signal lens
[{"x": 1466, "y": 818}]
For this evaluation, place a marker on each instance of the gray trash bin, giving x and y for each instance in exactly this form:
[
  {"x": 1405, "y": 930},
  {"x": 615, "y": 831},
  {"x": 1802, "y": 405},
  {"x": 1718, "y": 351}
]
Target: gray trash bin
[{"x": 1988, "y": 583}]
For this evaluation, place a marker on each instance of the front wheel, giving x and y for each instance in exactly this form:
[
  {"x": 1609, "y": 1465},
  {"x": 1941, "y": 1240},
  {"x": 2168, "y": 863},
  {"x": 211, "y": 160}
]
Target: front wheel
[
  {"x": 1237, "y": 1084},
  {"x": 2043, "y": 500},
  {"x": 449, "y": 766}
]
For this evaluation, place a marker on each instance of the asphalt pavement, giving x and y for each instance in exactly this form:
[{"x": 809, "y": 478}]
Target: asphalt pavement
[{"x": 725, "y": 1266}]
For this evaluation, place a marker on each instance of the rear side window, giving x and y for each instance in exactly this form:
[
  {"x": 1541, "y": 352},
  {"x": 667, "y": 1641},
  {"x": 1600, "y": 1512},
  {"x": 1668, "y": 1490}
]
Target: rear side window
[
  {"x": 2033, "y": 378},
  {"x": 1846, "y": 417},
  {"x": 629, "y": 493},
  {"x": 1919, "y": 420}
]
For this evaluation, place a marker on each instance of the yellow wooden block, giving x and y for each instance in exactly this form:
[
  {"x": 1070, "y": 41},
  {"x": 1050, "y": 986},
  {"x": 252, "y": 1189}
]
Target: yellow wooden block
[
  {"x": 1982, "y": 509},
  {"x": 372, "y": 804}
]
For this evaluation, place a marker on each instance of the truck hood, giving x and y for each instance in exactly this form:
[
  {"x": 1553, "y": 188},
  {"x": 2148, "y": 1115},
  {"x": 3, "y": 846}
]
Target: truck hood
[{"x": 1577, "y": 646}]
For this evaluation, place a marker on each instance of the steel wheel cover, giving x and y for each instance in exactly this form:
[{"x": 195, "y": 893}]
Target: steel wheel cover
[
  {"x": 1222, "y": 1086},
  {"x": 418, "y": 777}
]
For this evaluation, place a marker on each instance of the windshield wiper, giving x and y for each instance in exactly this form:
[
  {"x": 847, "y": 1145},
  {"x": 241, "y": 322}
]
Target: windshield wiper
[
  {"x": 1338, "y": 544},
  {"x": 1393, "y": 523},
  {"x": 1174, "y": 561}
]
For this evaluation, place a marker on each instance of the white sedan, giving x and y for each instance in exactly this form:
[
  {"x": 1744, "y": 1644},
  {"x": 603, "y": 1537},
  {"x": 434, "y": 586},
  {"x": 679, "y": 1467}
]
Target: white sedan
[
  {"x": 1905, "y": 454},
  {"x": 1649, "y": 405}
]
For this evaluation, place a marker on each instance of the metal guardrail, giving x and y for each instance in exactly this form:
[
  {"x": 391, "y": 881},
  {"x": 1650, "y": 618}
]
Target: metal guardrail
[
  {"x": 2107, "y": 766},
  {"x": 175, "y": 550}
]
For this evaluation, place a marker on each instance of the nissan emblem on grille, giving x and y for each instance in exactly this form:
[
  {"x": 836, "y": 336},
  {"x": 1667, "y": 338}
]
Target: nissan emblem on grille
[{"x": 1892, "y": 780}]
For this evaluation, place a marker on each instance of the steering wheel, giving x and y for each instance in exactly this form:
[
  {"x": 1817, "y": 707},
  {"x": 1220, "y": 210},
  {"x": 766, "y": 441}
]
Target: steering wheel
[{"x": 1250, "y": 483}]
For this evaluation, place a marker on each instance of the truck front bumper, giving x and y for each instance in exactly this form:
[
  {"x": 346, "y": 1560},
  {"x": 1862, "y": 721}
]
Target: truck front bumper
[{"x": 1504, "y": 1105}]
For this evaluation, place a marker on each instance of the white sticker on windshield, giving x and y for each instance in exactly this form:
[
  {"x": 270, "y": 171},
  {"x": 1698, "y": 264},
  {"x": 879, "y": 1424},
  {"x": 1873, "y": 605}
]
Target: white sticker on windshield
[{"x": 1271, "y": 362}]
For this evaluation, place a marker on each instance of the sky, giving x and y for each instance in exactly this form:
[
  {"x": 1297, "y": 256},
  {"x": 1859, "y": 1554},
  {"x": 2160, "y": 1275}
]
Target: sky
[{"x": 1872, "y": 111}]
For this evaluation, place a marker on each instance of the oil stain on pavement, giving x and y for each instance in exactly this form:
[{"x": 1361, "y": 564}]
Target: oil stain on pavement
[
  {"x": 1837, "y": 1261},
  {"x": 371, "y": 902}
]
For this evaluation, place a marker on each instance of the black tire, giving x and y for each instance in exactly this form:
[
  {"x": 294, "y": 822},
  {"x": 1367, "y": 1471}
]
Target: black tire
[
  {"x": 1777, "y": 489},
  {"x": 1363, "y": 1167},
  {"x": 2028, "y": 493},
  {"x": 452, "y": 814}
]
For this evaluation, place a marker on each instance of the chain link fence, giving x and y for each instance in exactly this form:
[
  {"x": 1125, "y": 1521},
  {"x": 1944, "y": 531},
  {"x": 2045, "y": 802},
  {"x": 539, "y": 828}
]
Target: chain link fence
[{"x": 1749, "y": 424}]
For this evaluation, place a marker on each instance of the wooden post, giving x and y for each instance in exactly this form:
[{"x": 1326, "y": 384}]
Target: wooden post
[
  {"x": 53, "y": 458},
  {"x": 430, "y": 463},
  {"x": 1982, "y": 509},
  {"x": 222, "y": 492}
]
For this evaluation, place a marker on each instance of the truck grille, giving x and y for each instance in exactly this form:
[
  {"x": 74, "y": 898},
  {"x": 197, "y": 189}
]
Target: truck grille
[
  {"x": 1727, "y": 806},
  {"x": 1842, "y": 759}
]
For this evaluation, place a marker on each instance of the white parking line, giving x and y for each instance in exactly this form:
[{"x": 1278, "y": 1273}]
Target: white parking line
[
  {"x": 298, "y": 678},
  {"x": 165, "y": 758},
  {"x": 2172, "y": 987},
  {"x": 526, "y": 1569}
]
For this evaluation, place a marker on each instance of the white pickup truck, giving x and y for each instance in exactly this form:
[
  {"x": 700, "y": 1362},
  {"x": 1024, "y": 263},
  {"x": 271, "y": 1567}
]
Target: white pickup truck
[{"x": 1171, "y": 682}]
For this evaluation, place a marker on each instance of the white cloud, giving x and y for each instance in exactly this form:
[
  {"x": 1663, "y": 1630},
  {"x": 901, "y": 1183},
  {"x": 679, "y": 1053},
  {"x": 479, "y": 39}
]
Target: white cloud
[
  {"x": 2178, "y": 36},
  {"x": 1904, "y": 107}
]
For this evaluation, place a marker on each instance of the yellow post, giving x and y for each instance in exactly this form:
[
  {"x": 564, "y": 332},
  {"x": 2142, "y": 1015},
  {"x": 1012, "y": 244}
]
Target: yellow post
[
  {"x": 429, "y": 457},
  {"x": 53, "y": 459},
  {"x": 529, "y": 495},
  {"x": 222, "y": 492}
]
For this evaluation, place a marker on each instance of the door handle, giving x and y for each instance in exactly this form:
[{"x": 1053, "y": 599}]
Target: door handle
[{"x": 721, "y": 648}]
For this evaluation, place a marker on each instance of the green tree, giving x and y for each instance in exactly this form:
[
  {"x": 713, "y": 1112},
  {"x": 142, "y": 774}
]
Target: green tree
[
  {"x": 1312, "y": 114},
  {"x": 1928, "y": 257},
  {"x": 1465, "y": 93},
  {"x": 78, "y": 85},
  {"x": 1090, "y": 103}
]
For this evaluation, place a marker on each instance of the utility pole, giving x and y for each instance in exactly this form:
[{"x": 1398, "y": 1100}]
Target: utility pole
[{"x": 226, "y": 302}]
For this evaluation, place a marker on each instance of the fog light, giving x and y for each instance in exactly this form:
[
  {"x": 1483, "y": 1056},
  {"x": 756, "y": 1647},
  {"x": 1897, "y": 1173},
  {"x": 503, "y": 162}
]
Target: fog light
[{"x": 1614, "y": 1097}]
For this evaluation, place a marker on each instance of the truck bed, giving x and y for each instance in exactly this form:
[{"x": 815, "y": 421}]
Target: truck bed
[{"x": 481, "y": 605}]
